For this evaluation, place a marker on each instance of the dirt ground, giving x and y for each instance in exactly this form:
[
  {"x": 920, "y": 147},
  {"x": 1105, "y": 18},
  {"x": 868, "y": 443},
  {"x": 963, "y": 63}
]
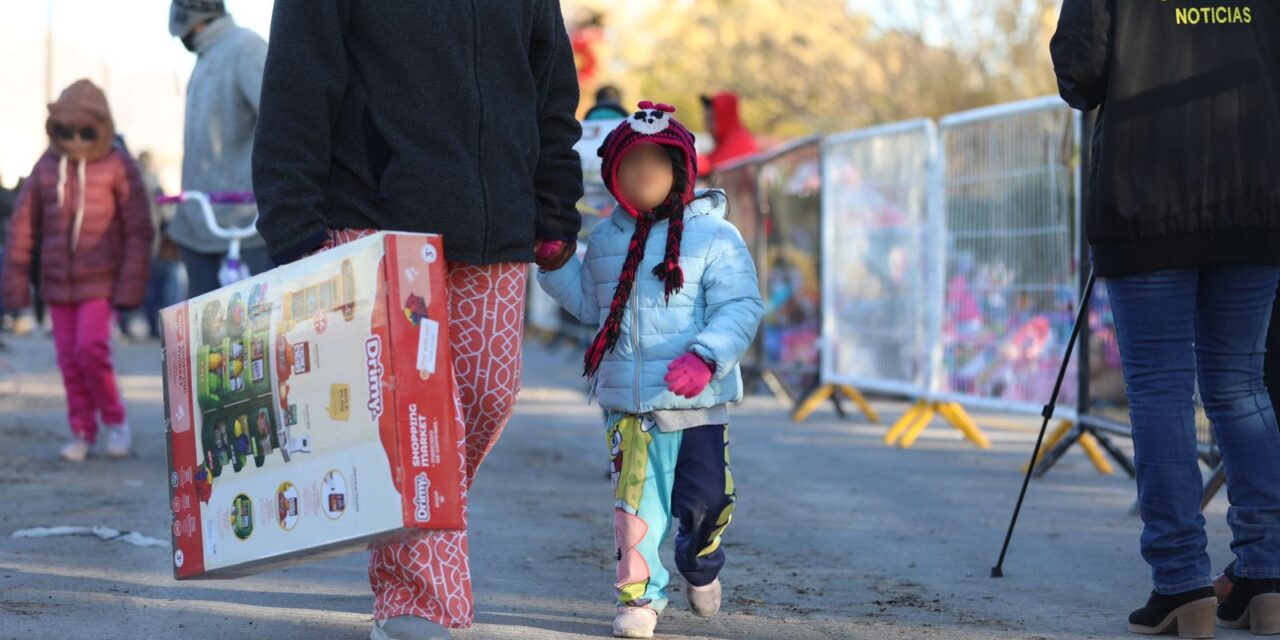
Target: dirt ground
[{"x": 835, "y": 535}]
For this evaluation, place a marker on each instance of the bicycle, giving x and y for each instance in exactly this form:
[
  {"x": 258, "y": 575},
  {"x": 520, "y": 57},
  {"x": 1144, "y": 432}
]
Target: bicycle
[{"x": 232, "y": 269}]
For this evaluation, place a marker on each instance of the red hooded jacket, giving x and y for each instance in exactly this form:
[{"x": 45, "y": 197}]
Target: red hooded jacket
[
  {"x": 733, "y": 141},
  {"x": 86, "y": 209}
]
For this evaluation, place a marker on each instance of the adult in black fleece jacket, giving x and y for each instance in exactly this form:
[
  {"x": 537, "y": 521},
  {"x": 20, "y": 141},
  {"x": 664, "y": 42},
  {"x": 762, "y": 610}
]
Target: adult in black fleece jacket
[
  {"x": 1183, "y": 216},
  {"x": 453, "y": 117},
  {"x": 1186, "y": 155}
]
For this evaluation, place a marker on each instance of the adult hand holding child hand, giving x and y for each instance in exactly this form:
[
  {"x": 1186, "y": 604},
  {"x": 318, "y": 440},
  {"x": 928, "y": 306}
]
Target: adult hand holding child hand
[
  {"x": 689, "y": 375},
  {"x": 553, "y": 254}
]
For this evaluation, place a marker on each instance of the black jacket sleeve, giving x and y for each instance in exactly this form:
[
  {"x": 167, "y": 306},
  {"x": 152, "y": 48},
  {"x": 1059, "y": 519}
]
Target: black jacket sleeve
[
  {"x": 1081, "y": 51},
  {"x": 558, "y": 178},
  {"x": 302, "y": 90}
]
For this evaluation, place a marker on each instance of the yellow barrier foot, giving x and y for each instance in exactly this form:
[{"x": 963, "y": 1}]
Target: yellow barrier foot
[
  {"x": 811, "y": 404},
  {"x": 922, "y": 422},
  {"x": 779, "y": 390},
  {"x": 857, "y": 398},
  {"x": 900, "y": 427},
  {"x": 960, "y": 419},
  {"x": 1086, "y": 441},
  {"x": 1094, "y": 451}
]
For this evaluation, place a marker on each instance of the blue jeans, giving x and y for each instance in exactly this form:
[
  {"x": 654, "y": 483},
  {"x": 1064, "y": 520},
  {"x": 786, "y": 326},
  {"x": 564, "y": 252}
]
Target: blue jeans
[
  {"x": 162, "y": 292},
  {"x": 202, "y": 268},
  {"x": 1172, "y": 326}
]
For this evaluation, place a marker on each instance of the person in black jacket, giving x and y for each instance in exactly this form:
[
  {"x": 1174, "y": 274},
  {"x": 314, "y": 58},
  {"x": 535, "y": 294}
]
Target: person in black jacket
[
  {"x": 1183, "y": 217},
  {"x": 453, "y": 117}
]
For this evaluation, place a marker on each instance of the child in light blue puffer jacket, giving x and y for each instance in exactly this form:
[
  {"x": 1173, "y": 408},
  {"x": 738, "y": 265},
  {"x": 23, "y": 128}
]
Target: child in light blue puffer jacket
[{"x": 673, "y": 288}]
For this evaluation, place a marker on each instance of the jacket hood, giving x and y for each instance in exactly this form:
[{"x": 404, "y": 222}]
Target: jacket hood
[
  {"x": 213, "y": 34},
  {"x": 724, "y": 108},
  {"x": 707, "y": 202},
  {"x": 82, "y": 106}
]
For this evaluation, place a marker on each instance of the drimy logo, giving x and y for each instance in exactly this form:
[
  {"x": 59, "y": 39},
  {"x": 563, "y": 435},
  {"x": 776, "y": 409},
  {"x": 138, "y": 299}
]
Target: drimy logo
[
  {"x": 422, "y": 498},
  {"x": 373, "y": 360}
]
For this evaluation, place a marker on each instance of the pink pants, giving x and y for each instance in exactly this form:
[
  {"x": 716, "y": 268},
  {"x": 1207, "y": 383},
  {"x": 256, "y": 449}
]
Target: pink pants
[
  {"x": 82, "y": 337},
  {"x": 430, "y": 577}
]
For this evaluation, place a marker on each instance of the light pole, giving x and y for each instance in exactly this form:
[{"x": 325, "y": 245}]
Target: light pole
[{"x": 48, "y": 54}]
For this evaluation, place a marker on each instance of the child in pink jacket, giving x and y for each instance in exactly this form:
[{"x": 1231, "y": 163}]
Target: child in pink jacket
[{"x": 85, "y": 209}]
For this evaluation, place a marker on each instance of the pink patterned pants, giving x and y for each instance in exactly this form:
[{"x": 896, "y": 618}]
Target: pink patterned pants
[{"x": 429, "y": 577}]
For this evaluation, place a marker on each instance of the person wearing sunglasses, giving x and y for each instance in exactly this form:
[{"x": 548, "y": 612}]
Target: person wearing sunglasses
[{"x": 85, "y": 209}]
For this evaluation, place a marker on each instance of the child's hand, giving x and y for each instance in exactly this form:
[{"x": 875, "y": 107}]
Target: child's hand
[
  {"x": 553, "y": 254},
  {"x": 689, "y": 375}
]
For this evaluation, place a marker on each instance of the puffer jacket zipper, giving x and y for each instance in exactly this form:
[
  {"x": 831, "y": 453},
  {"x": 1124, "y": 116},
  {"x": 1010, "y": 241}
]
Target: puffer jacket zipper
[{"x": 635, "y": 338}]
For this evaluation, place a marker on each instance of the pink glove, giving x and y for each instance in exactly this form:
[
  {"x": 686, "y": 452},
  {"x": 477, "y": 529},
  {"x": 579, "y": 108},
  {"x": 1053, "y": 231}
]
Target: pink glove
[
  {"x": 689, "y": 375},
  {"x": 549, "y": 249}
]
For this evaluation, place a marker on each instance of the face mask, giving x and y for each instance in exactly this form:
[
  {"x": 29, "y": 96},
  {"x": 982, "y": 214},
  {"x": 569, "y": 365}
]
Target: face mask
[{"x": 189, "y": 41}]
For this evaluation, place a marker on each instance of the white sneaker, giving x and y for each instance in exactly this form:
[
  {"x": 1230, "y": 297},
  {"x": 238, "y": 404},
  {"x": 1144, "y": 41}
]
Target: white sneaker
[
  {"x": 704, "y": 602},
  {"x": 635, "y": 622},
  {"x": 118, "y": 440},
  {"x": 408, "y": 628},
  {"x": 75, "y": 451},
  {"x": 24, "y": 325}
]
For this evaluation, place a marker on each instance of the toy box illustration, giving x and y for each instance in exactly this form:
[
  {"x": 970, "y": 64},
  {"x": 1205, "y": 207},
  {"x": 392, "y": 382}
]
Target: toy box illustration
[{"x": 310, "y": 410}]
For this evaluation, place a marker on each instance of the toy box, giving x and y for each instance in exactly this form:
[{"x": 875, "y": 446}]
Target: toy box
[{"x": 310, "y": 410}]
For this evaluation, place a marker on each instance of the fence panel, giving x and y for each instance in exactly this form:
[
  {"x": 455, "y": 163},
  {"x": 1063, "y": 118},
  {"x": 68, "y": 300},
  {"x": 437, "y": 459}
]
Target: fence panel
[
  {"x": 879, "y": 236},
  {"x": 1011, "y": 190},
  {"x": 790, "y": 195},
  {"x": 739, "y": 184},
  {"x": 542, "y": 312}
]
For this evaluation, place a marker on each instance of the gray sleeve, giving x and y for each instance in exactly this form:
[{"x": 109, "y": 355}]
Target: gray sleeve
[{"x": 250, "y": 64}]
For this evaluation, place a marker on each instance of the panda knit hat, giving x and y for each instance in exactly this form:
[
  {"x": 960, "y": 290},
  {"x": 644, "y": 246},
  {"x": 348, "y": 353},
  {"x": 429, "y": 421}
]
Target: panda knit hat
[{"x": 652, "y": 124}]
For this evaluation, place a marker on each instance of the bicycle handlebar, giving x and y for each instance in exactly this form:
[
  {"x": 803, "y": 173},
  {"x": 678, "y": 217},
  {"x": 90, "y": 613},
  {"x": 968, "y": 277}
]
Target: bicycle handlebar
[{"x": 206, "y": 202}]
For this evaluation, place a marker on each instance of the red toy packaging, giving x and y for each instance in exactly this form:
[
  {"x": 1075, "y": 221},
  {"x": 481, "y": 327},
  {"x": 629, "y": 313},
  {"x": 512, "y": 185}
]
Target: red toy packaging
[{"x": 310, "y": 410}]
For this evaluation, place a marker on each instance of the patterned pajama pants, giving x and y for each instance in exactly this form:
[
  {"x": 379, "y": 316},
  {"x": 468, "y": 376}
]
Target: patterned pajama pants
[
  {"x": 659, "y": 477},
  {"x": 429, "y": 577}
]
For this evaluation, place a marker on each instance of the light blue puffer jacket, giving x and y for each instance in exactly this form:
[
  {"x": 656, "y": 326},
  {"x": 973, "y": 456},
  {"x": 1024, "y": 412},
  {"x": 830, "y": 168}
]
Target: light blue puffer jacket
[{"x": 715, "y": 315}]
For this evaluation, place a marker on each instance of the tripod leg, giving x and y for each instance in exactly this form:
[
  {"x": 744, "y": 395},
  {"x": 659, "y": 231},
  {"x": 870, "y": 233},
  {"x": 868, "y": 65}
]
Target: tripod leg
[
  {"x": 1058, "y": 434},
  {"x": 1213, "y": 485},
  {"x": 1052, "y": 458},
  {"x": 1081, "y": 315},
  {"x": 1116, "y": 454}
]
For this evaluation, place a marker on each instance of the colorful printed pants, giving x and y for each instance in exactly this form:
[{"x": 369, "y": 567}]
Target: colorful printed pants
[
  {"x": 429, "y": 577},
  {"x": 657, "y": 477}
]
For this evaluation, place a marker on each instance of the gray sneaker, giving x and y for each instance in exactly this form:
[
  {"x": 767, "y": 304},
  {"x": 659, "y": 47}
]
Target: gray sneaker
[
  {"x": 408, "y": 628},
  {"x": 704, "y": 602},
  {"x": 117, "y": 441}
]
